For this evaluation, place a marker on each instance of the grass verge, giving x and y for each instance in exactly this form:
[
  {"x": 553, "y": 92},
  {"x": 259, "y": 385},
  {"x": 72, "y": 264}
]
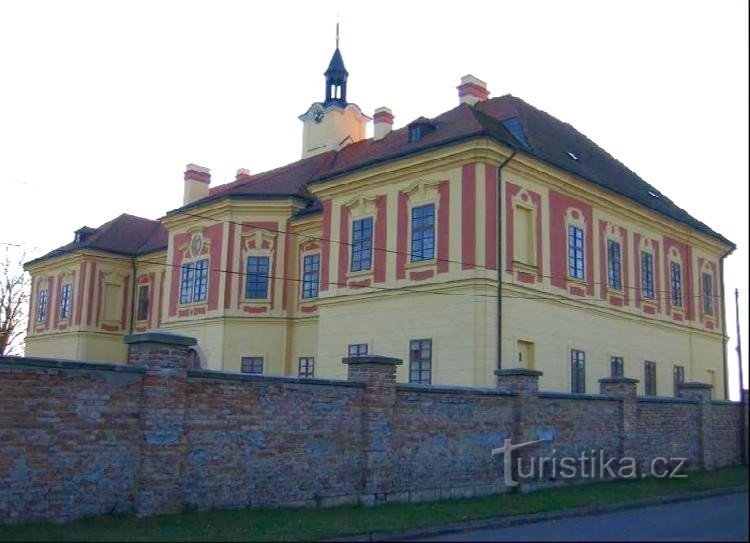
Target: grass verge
[{"x": 316, "y": 524}]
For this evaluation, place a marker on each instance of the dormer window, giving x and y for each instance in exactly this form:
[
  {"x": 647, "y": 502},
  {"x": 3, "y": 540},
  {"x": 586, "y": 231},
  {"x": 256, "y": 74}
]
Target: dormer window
[
  {"x": 419, "y": 128},
  {"x": 82, "y": 234}
]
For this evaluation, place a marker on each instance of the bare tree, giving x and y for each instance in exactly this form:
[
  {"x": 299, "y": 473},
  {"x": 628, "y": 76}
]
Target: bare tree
[{"x": 14, "y": 303}]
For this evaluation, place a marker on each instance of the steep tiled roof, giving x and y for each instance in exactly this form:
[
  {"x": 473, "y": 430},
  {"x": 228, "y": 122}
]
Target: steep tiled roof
[
  {"x": 125, "y": 235},
  {"x": 507, "y": 119}
]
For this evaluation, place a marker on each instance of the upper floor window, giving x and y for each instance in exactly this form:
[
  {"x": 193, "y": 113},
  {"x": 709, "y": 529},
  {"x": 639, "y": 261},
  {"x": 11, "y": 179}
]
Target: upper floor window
[
  {"x": 420, "y": 361},
  {"x": 65, "y": 300},
  {"x": 307, "y": 367},
  {"x": 256, "y": 285},
  {"x": 310, "y": 275},
  {"x": 143, "y": 302},
  {"x": 357, "y": 349},
  {"x": 577, "y": 371},
  {"x": 423, "y": 232},
  {"x": 575, "y": 252},
  {"x": 676, "y": 281},
  {"x": 614, "y": 264},
  {"x": 41, "y": 307},
  {"x": 194, "y": 282},
  {"x": 649, "y": 370},
  {"x": 679, "y": 378},
  {"x": 251, "y": 364},
  {"x": 361, "y": 244},
  {"x": 647, "y": 275},
  {"x": 708, "y": 295},
  {"x": 617, "y": 366}
]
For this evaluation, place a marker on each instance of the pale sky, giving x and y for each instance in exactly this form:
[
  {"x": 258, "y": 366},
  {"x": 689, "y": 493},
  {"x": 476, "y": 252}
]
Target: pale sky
[{"x": 103, "y": 103}]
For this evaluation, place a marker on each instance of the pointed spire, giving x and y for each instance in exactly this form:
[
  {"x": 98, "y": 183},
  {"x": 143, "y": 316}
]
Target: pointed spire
[{"x": 336, "y": 76}]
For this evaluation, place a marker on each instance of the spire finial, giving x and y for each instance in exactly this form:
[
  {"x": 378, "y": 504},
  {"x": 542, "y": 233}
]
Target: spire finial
[{"x": 337, "y": 32}]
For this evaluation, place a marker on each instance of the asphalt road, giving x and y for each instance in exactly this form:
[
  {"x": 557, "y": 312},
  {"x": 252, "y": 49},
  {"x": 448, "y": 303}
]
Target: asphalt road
[{"x": 721, "y": 518}]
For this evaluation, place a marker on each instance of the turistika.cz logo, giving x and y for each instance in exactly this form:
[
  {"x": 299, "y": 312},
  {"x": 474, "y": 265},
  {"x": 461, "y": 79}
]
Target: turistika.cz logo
[{"x": 588, "y": 465}]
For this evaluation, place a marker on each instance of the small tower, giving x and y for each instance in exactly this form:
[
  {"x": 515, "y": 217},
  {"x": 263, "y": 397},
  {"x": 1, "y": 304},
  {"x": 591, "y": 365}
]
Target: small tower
[{"x": 334, "y": 123}]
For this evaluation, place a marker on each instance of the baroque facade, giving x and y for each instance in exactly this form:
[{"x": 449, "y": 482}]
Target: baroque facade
[{"x": 391, "y": 245}]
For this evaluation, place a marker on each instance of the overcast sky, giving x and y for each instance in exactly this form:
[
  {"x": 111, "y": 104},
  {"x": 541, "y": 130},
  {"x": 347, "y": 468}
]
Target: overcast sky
[{"x": 103, "y": 103}]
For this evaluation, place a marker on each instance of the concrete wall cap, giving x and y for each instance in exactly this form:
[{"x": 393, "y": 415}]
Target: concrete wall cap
[
  {"x": 518, "y": 371},
  {"x": 614, "y": 380},
  {"x": 372, "y": 359},
  {"x": 695, "y": 385},
  {"x": 163, "y": 338}
]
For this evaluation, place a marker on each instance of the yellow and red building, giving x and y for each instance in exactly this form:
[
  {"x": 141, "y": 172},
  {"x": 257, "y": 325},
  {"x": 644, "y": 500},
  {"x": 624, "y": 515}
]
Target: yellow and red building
[{"x": 391, "y": 245}]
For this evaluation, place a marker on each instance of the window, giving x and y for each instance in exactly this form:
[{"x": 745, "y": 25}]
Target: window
[
  {"x": 676, "y": 282},
  {"x": 194, "y": 283},
  {"x": 310, "y": 276},
  {"x": 575, "y": 252},
  {"x": 256, "y": 285},
  {"x": 357, "y": 349},
  {"x": 647, "y": 275},
  {"x": 41, "y": 308},
  {"x": 649, "y": 371},
  {"x": 420, "y": 361},
  {"x": 577, "y": 371},
  {"x": 307, "y": 367},
  {"x": 523, "y": 237},
  {"x": 361, "y": 244},
  {"x": 143, "y": 295},
  {"x": 65, "y": 300},
  {"x": 708, "y": 298},
  {"x": 617, "y": 366},
  {"x": 679, "y": 378},
  {"x": 423, "y": 233},
  {"x": 614, "y": 264},
  {"x": 525, "y": 354},
  {"x": 252, "y": 364}
]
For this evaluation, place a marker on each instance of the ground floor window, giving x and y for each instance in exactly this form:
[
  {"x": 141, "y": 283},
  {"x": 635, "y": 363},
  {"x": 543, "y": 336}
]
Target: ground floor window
[
  {"x": 617, "y": 366},
  {"x": 420, "y": 361},
  {"x": 307, "y": 367},
  {"x": 577, "y": 371},
  {"x": 252, "y": 364},
  {"x": 649, "y": 370},
  {"x": 357, "y": 349},
  {"x": 679, "y": 378}
]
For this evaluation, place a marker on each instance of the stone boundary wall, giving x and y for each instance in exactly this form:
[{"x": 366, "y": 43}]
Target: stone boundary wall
[{"x": 79, "y": 439}]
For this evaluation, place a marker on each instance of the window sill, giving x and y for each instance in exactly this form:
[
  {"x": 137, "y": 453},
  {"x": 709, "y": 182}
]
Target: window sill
[
  {"x": 421, "y": 264},
  {"x": 359, "y": 274}
]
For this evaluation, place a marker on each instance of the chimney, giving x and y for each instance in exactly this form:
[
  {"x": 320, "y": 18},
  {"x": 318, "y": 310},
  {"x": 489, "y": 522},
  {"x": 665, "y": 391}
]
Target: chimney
[
  {"x": 383, "y": 118},
  {"x": 197, "y": 180},
  {"x": 472, "y": 90},
  {"x": 242, "y": 174}
]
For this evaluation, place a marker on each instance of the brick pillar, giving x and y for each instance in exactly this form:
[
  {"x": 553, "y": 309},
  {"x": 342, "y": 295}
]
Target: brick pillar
[
  {"x": 701, "y": 392},
  {"x": 378, "y": 373},
  {"x": 627, "y": 389},
  {"x": 165, "y": 357},
  {"x": 524, "y": 383}
]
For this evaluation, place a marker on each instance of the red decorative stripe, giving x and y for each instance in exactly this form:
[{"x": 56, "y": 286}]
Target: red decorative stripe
[
  {"x": 326, "y": 251},
  {"x": 468, "y": 224},
  {"x": 401, "y": 240},
  {"x": 443, "y": 226},
  {"x": 490, "y": 216},
  {"x": 343, "y": 245},
  {"x": 381, "y": 238},
  {"x": 229, "y": 277}
]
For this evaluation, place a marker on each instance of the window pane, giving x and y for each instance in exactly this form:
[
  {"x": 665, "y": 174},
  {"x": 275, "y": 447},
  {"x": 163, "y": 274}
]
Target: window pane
[
  {"x": 423, "y": 233},
  {"x": 307, "y": 367},
  {"x": 200, "y": 287},
  {"x": 143, "y": 296},
  {"x": 577, "y": 371},
  {"x": 361, "y": 244},
  {"x": 676, "y": 281},
  {"x": 420, "y": 361},
  {"x": 186, "y": 284},
  {"x": 358, "y": 349},
  {"x": 310, "y": 276},
  {"x": 708, "y": 302},
  {"x": 647, "y": 275},
  {"x": 256, "y": 283},
  {"x": 252, "y": 364},
  {"x": 41, "y": 310},
  {"x": 575, "y": 252},
  {"x": 614, "y": 264},
  {"x": 650, "y": 374},
  {"x": 65, "y": 300}
]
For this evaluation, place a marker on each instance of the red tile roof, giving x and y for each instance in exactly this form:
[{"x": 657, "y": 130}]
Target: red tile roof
[{"x": 546, "y": 138}]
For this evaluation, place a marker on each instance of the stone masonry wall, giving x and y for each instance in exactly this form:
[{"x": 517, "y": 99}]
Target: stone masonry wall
[{"x": 82, "y": 439}]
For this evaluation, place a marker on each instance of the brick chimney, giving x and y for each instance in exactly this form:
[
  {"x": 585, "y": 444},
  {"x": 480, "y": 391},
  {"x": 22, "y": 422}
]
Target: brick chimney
[
  {"x": 472, "y": 90},
  {"x": 197, "y": 180},
  {"x": 383, "y": 118},
  {"x": 242, "y": 173}
]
